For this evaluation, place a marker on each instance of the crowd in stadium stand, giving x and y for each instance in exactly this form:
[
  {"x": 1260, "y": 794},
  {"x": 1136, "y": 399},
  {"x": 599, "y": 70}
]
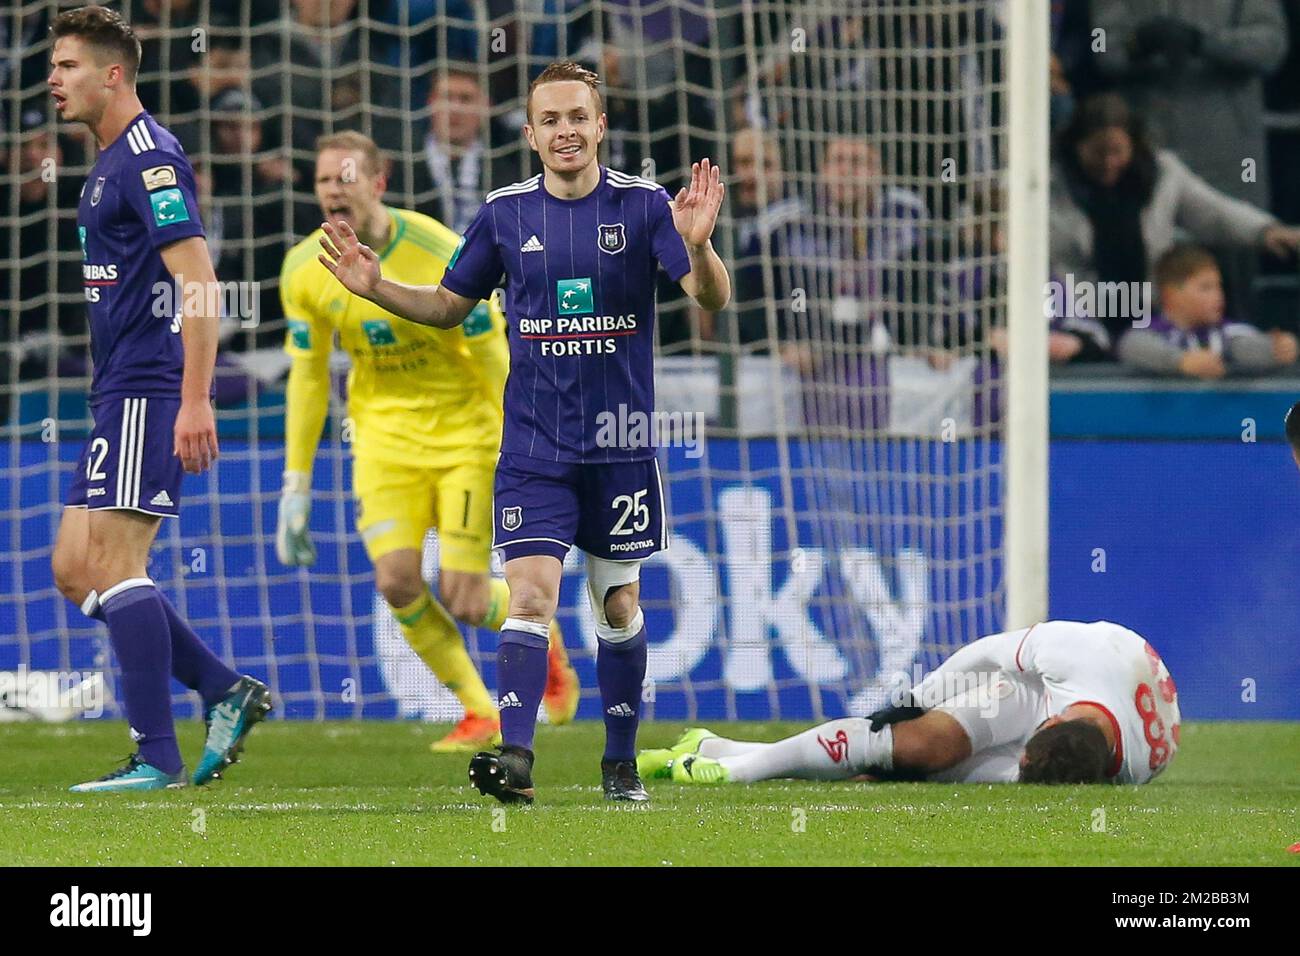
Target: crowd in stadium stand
[{"x": 864, "y": 211}]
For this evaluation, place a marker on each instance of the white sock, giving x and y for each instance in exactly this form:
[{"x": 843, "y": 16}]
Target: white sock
[
  {"x": 836, "y": 750},
  {"x": 716, "y": 747}
]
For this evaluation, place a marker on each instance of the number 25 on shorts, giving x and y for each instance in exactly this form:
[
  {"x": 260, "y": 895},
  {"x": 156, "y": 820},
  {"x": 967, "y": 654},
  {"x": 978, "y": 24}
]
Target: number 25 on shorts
[{"x": 634, "y": 508}]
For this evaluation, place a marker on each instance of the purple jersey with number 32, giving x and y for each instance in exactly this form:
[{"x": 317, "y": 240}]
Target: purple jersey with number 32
[{"x": 580, "y": 303}]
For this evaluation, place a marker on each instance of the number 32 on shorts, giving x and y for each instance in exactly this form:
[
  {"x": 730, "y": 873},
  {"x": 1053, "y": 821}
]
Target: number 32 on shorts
[{"x": 631, "y": 508}]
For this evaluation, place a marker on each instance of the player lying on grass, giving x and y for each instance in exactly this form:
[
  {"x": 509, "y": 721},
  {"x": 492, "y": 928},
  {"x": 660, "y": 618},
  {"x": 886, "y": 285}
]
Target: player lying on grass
[
  {"x": 581, "y": 247},
  {"x": 426, "y": 409},
  {"x": 150, "y": 399},
  {"x": 1059, "y": 702}
]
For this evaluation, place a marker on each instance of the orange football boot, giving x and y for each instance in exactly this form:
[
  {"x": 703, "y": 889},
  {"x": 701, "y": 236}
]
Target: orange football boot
[
  {"x": 562, "y": 688},
  {"x": 471, "y": 735}
]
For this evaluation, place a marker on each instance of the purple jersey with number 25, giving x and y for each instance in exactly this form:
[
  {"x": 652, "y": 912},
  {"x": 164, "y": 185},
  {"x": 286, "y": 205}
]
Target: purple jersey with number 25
[{"x": 580, "y": 303}]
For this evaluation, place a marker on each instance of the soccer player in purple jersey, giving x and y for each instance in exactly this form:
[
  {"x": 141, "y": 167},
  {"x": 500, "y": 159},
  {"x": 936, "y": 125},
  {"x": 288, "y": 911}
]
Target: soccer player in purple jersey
[
  {"x": 580, "y": 246},
  {"x": 153, "y": 335}
]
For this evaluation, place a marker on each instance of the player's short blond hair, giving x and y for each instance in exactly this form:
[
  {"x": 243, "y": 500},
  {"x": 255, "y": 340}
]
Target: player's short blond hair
[
  {"x": 562, "y": 72},
  {"x": 354, "y": 142}
]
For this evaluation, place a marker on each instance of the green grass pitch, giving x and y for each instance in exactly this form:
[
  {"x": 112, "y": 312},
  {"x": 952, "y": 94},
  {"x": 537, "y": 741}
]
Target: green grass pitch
[{"x": 371, "y": 794}]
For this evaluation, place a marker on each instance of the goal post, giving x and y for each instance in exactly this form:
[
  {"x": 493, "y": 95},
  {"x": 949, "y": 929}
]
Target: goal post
[{"x": 1027, "y": 270}]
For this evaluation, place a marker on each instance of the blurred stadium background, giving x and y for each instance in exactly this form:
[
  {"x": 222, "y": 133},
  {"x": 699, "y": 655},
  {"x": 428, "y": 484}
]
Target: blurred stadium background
[{"x": 844, "y": 523}]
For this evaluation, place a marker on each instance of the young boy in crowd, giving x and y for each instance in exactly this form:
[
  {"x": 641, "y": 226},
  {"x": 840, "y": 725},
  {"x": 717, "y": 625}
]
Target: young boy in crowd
[{"x": 1189, "y": 335}]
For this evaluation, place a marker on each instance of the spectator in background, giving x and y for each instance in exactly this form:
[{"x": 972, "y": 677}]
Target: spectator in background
[
  {"x": 1282, "y": 100},
  {"x": 873, "y": 237},
  {"x": 163, "y": 28},
  {"x": 433, "y": 31},
  {"x": 773, "y": 249},
  {"x": 1195, "y": 69},
  {"x": 238, "y": 138},
  {"x": 1189, "y": 335},
  {"x": 455, "y": 170},
  {"x": 856, "y": 62},
  {"x": 973, "y": 311},
  {"x": 1117, "y": 204},
  {"x": 1074, "y": 66},
  {"x": 316, "y": 67},
  {"x": 1062, "y": 95},
  {"x": 40, "y": 277},
  {"x": 247, "y": 226},
  {"x": 870, "y": 289},
  {"x": 649, "y": 52},
  {"x": 24, "y": 59},
  {"x": 200, "y": 79}
]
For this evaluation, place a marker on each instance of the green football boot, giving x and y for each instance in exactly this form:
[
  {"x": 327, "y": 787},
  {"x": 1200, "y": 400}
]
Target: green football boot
[
  {"x": 657, "y": 764},
  {"x": 692, "y": 768}
]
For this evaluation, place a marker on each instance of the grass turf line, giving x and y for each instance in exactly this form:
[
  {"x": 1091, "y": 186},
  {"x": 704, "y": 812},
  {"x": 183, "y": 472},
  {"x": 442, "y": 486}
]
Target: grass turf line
[{"x": 371, "y": 793}]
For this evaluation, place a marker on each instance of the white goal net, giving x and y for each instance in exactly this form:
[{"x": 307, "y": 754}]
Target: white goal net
[{"x": 839, "y": 526}]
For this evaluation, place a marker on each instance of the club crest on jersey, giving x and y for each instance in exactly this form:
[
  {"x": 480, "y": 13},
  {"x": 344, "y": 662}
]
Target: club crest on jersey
[
  {"x": 512, "y": 518},
  {"x": 97, "y": 193},
  {"x": 611, "y": 239}
]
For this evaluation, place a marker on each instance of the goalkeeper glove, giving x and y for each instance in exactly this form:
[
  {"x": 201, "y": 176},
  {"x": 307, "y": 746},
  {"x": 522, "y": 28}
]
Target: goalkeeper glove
[{"x": 292, "y": 537}]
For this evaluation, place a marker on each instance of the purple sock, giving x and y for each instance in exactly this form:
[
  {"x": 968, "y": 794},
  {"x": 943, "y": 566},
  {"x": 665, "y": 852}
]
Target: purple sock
[
  {"x": 620, "y": 672},
  {"x": 521, "y": 679},
  {"x": 137, "y": 628},
  {"x": 193, "y": 664}
]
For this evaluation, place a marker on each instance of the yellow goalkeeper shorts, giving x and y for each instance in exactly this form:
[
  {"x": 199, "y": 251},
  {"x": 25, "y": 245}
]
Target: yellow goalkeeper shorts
[{"x": 398, "y": 504}]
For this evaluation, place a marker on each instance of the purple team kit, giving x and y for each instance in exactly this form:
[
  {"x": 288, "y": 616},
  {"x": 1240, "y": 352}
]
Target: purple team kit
[
  {"x": 139, "y": 196},
  {"x": 580, "y": 308}
]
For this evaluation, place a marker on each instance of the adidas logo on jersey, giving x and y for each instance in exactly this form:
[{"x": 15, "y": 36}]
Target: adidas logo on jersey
[
  {"x": 510, "y": 700},
  {"x": 532, "y": 245},
  {"x": 162, "y": 498},
  {"x": 620, "y": 710}
]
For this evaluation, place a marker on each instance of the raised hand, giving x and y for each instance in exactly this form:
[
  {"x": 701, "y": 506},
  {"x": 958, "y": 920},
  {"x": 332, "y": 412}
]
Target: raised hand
[
  {"x": 350, "y": 260},
  {"x": 695, "y": 210}
]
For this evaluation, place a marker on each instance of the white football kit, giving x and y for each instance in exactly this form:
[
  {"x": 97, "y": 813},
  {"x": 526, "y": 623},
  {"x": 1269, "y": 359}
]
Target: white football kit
[{"x": 1009, "y": 683}]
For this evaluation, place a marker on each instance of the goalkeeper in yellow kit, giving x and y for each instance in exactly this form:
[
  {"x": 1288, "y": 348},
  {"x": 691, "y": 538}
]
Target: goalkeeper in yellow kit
[{"x": 426, "y": 410}]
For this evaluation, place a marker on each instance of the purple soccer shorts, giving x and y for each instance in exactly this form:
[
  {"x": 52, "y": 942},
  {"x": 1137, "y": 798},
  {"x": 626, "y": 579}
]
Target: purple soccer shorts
[{"x": 612, "y": 510}]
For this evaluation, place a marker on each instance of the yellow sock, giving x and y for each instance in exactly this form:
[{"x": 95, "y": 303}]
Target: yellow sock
[
  {"x": 433, "y": 635},
  {"x": 498, "y": 604}
]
